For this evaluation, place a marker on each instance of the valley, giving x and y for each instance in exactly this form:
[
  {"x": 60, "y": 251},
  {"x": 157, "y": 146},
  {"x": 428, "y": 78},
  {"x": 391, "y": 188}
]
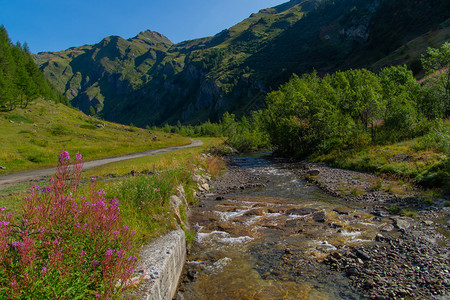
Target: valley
[{"x": 302, "y": 153}]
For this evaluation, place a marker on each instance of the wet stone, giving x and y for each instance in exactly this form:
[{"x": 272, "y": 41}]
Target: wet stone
[
  {"x": 381, "y": 213},
  {"x": 387, "y": 228},
  {"x": 320, "y": 217},
  {"x": 255, "y": 212},
  {"x": 343, "y": 210},
  {"x": 313, "y": 172},
  {"x": 363, "y": 255},
  {"x": 301, "y": 211},
  {"x": 402, "y": 224}
]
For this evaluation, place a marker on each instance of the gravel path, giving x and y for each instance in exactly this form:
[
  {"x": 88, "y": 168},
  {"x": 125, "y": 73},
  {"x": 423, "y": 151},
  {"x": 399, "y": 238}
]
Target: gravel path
[{"x": 36, "y": 175}]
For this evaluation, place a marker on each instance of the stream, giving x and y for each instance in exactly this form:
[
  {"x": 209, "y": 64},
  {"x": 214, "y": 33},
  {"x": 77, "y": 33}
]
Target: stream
[{"x": 268, "y": 242}]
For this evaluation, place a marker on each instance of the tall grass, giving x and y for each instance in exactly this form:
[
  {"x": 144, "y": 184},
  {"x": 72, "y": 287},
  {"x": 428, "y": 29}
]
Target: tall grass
[{"x": 145, "y": 200}]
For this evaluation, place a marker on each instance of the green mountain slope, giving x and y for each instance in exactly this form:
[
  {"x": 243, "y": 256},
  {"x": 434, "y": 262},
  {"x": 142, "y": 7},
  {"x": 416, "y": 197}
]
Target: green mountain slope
[{"x": 149, "y": 80}]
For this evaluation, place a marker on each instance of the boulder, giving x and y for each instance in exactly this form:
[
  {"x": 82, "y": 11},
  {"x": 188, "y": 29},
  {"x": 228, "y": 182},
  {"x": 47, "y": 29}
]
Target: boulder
[
  {"x": 387, "y": 227},
  {"x": 198, "y": 179},
  {"x": 402, "y": 224},
  {"x": 301, "y": 211},
  {"x": 320, "y": 217},
  {"x": 313, "y": 172}
]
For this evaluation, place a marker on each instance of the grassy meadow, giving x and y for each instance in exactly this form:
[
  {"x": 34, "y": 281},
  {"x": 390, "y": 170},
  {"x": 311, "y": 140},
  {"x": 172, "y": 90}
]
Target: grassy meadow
[{"x": 31, "y": 138}]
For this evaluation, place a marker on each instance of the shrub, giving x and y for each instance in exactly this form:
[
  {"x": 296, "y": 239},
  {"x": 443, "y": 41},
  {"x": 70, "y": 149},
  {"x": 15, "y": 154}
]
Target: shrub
[
  {"x": 58, "y": 130},
  {"x": 63, "y": 248}
]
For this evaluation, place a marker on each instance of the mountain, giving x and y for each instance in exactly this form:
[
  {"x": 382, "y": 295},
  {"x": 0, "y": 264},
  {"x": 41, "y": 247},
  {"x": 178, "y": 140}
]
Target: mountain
[{"x": 148, "y": 80}]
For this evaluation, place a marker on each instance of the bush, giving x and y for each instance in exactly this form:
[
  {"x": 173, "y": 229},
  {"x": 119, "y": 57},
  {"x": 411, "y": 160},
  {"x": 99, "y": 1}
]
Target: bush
[{"x": 62, "y": 248}]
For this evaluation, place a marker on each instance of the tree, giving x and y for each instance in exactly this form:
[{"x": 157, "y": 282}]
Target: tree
[
  {"x": 437, "y": 63},
  {"x": 400, "y": 90}
]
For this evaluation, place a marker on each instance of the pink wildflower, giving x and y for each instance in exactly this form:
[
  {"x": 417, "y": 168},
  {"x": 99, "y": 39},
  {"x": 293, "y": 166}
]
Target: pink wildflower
[
  {"x": 121, "y": 253},
  {"x": 4, "y": 223},
  {"x": 78, "y": 157},
  {"x": 64, "y": 158}
]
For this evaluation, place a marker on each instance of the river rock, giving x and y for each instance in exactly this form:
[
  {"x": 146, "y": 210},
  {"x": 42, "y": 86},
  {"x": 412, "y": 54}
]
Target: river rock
[
  {"x": 402, "y": 224},
  {"x": 320, "y": 217},
  {"x": 205, "y": 187},
  {"x": 381, "y": 213},
  {"x": 428, "y": 222},
  {"x": 343, "y": 210},
  {"x": 301, "y": 211},
  {"x": 174, "y": 201},
  {"x": 363, "y": 255},
  {"x": 313, "y": 172},
  {"x": 255, "y": 212},
  {"x": 198, "y": 179},
  {"x": 387, "y": 228}
]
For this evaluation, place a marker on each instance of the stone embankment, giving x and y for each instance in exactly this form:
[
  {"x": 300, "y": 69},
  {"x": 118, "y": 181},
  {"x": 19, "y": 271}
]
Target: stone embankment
[
  {"x": 161, "y": 262},
  {"x": 160, "y": 267}
]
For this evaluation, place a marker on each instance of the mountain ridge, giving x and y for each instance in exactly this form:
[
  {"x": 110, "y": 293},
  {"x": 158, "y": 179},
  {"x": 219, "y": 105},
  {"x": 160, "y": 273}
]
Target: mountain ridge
[{"x": 148, "y": 80}]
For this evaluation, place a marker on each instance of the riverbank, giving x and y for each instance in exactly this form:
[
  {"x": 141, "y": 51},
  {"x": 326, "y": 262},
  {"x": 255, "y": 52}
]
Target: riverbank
[
  {"x": 411, "y": 263},
  {"x": 405, "y": 254}
]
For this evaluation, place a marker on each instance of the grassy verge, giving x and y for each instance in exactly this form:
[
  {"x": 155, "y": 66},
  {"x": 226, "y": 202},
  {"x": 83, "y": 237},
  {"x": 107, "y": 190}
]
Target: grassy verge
[
  {"x": 424, "y": 159},
  {"x": 31, "y": 138},
  {"x": 143, "y": 198}
]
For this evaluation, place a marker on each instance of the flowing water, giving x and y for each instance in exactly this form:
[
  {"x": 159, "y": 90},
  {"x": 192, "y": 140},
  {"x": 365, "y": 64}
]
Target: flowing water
[{"x": 267, "y": 243}]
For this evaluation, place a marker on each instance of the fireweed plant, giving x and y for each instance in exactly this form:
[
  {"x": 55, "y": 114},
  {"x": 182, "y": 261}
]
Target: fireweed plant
[{"x": 65, "y": 246}]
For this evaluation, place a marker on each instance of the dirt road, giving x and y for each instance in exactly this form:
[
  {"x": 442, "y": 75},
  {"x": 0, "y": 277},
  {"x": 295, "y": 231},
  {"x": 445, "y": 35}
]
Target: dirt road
[{"x": 36, "y": 175}]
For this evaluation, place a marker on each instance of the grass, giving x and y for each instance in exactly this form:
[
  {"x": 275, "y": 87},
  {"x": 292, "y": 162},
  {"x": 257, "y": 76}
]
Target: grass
[
  {"x": 143, "y": 200},
  {"x": 31, "y": 138},
  {"x": 417, "y": 160}
]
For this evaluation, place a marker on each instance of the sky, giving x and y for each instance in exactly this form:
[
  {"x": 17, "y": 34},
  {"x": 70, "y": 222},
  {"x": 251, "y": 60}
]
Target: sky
[{"x": 53, "y": 25}]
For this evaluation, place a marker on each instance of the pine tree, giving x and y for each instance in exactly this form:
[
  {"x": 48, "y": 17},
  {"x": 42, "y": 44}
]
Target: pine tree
[{"x": 21, "y": 81}]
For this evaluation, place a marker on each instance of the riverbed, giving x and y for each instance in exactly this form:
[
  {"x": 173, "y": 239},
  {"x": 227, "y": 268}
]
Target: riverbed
[{"x": 269, "y": 234}]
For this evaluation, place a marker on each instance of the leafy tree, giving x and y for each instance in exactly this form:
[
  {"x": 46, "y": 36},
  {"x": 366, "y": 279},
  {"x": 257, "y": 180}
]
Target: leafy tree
[
  {"x": 400, "y": 90},
  {"x": 437, "y": 63}
]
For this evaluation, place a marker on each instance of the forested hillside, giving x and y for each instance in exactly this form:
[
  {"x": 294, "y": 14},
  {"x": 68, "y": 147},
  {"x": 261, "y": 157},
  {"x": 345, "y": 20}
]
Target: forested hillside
[{"x": 21, "y": 81}]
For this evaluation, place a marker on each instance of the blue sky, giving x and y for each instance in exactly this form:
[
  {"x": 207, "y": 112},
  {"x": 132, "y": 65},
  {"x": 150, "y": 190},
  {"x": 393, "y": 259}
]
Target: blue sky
[{"x": 53, "y": 25}]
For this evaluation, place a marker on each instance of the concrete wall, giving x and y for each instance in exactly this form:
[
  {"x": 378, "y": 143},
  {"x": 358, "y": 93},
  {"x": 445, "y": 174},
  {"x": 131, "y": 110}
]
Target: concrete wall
[{"x": 161, "y": 263}]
